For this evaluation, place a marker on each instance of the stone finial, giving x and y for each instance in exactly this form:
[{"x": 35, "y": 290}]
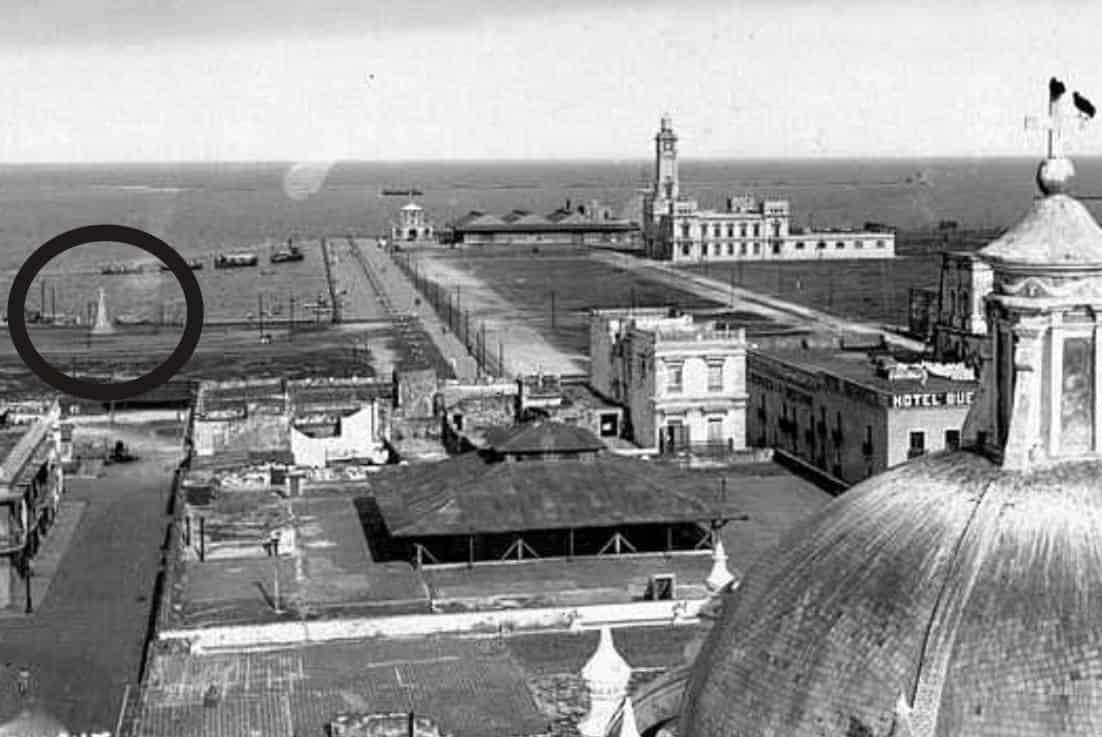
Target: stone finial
[
  {"x": 720, "y": 577},
  {"x": 606, "y": 676}
]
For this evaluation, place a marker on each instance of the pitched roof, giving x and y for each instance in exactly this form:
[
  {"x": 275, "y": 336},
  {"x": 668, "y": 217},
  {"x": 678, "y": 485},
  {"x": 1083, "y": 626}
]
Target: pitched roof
[
  {"x": 471, "y": 492},
  {"x": 542, "y": 437}
]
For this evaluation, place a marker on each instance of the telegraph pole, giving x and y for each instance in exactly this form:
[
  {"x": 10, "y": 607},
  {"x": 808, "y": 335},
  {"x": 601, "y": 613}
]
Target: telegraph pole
[
  {"x": 291, "y": 327},
  {"x": 552, "y": 309},
  {"x": 260, "y": 314}
]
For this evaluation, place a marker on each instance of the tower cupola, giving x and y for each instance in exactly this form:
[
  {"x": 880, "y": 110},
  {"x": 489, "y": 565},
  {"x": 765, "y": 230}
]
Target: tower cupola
[{"x": 1041, "y": 400}]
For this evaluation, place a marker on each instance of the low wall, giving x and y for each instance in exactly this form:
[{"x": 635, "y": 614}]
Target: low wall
[{"x": 283, "y": 634}]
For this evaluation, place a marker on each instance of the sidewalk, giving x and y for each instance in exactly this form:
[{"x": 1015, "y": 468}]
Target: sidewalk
[{"x": 49, "y": 558}]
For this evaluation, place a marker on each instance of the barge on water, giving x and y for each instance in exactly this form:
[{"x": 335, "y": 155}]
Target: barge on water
[
  {"x": 194, "y": 264},
  {"x": 400, "y": 192},
  {"x": 235, "y": 260},
  {"x": 290, "y": 253}
]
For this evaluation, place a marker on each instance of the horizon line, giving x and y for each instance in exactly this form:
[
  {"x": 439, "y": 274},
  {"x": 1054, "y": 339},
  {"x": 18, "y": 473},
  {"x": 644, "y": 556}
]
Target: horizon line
[{"x": 538, "y": 160}]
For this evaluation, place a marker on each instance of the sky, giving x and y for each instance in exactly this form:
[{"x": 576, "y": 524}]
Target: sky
[{"x": 211, "y": 80}]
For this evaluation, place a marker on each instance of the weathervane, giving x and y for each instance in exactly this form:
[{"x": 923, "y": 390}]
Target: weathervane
[{"x": 1056, "y": 170}]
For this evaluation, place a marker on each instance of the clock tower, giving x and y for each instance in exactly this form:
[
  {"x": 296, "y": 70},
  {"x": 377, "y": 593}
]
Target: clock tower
[{"x": 666, "y": 183}]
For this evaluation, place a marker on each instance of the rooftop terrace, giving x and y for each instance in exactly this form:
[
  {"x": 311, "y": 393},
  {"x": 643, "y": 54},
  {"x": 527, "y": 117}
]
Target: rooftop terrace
[{"x": 514, "y": 685}]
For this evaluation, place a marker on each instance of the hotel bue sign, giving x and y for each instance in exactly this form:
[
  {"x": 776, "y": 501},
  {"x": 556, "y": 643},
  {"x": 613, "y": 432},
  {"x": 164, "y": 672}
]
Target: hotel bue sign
[{"x": 939, "y": 399}]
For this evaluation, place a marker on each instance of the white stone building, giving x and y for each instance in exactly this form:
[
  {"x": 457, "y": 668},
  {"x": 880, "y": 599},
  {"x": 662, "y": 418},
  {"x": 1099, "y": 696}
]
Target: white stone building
[
  {"x": 676, "y": 228},
  {"x": 412, "y": 225},
  {"x": 682, "y": 383}
]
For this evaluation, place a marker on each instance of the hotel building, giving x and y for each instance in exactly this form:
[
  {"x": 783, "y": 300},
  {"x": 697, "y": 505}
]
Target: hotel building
[
  {"x": 676, "y": 228},
  {"x": 683, "y": 384},
  {"x": 851, "y": 416}
]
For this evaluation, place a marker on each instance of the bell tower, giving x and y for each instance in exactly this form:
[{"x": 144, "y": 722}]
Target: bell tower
[
  {"x": 666, "y": 184},
  {"x": 1041, "y": 396}
]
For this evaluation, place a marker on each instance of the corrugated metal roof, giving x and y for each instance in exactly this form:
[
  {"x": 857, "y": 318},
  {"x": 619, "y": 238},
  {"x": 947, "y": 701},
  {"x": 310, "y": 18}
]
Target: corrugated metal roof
[
  {"x": 542, "y": 437},
  {"x": 470, "y": 493}
]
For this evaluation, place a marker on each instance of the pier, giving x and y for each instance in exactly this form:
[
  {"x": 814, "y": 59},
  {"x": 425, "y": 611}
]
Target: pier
[
  {"x": 326, "y": 255},
  {"x": 398, "y": 296}
]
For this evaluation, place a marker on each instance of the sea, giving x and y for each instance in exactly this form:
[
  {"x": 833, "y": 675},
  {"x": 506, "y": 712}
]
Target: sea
[{"x": 202, "y": 209}]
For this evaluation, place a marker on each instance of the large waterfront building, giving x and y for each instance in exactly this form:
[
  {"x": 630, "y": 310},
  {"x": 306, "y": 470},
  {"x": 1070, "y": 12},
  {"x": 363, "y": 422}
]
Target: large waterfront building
[
  {"x": 852, "y": 416},
  {"x": 676, "y": 228},
  {"x": 682, "y": 383},
  {"x": 589, "y": 224},
  {"x": 31, "y": 484}
]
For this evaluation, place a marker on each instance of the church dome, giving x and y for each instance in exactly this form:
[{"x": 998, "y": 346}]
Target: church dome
[
  {"x": 957, "y": 595},
  {"x": 949, "y": 596}
]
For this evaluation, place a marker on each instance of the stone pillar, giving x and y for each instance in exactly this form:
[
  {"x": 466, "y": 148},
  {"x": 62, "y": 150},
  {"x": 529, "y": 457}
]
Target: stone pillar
[
  {"x": 7, "y": 574},
  {"x": 606, "y": 676}
]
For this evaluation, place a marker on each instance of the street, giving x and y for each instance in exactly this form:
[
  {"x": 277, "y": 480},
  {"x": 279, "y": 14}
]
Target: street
[{"x": 84, "y": 642}]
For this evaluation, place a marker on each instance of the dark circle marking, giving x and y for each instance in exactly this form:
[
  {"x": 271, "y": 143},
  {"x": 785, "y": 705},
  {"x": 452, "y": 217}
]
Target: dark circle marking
[{"x": 17, "y": 323}]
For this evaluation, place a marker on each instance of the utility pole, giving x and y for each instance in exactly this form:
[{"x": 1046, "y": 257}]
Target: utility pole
[
  {"x": 552, "y": 309},
  {"x": 291, "y": 328},
  {"x": 260, "y": 314}
]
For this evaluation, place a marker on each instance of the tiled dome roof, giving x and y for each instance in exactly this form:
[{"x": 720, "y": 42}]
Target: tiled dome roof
[
  {"x": 949, "y": 595},
  {"x": 1057, "y": 230}
]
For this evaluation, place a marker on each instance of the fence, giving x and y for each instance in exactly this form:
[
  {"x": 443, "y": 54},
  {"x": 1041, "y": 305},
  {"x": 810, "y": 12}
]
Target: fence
[{"x": 448, "y": 306}]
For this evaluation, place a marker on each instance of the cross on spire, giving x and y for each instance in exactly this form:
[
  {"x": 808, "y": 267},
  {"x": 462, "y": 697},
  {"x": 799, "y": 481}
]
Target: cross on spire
[{"x": 1055, "y": 123}]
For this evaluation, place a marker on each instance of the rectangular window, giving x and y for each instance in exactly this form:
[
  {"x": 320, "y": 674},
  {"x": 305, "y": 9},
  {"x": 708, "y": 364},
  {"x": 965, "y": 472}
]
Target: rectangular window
[
  {"x": 730, "y": 230},
  {"x": 742, "y": 248},
  {"x": 716, "y": 230},
  {"x": 742, "y": 230},
  {"x": 715, "y": 377},
  {"x": 952, "y": 439},
  {"x": 839, "y": 244},
  {"x": 716, "y": 248},
  {"x": 918, "y": 444},
  {"x": 1077, "y": 396},
  {"x": 858, "y": 244},
  {"x": 715, "y": 429},
  {"x": 730, "y": 249},
  {"x": 757, "y": 229},
  {"x": 685, "y": 233},
  {"x": 757, "y": 248},
  {"x": 799, "y": 245},
  {"x": 673, "y": 377},
  {"x": 703, "y": 231}
]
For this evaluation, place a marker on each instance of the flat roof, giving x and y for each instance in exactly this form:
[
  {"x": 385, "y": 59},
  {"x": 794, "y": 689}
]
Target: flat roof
[
  {"x": 517, "y": 685},
  {"x": 855, "y": 366}
]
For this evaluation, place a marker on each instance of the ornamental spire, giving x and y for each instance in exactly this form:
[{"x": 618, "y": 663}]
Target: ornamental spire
[
  {"x": 1056, "y": 170},
  {"x": 606, "y": 675}
]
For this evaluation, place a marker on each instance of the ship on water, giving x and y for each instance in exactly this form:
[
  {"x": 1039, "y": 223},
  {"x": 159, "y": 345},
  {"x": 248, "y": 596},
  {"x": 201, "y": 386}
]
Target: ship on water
[
  {"x": 115, "y": 269},
  {"x": 194, "y": 264},
  {"x": 291, "y": 253},
  {"x": 235, "y": 260},
  {"x": 400, "y": 192}
]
